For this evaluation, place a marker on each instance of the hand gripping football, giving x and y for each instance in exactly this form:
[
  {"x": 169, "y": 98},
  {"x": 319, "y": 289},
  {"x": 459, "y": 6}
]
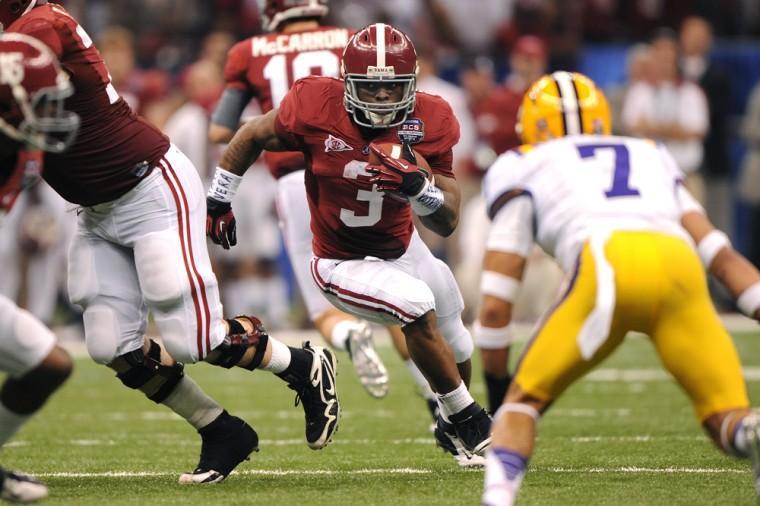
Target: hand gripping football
[{"x": 401, "y": 169}]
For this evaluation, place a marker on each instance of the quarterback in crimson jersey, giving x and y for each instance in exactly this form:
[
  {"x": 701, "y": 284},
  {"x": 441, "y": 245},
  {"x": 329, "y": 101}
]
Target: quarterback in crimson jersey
[
  {"x": 263, "y": 68},
  {"x": 140, "y": 247},
  {"x": 368, "y": 259}
]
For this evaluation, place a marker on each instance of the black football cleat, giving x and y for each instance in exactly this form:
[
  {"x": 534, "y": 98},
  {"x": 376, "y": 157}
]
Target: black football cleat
[
  {"x": 20, "y": 488},
  {"x": 319, "y": 397},
  {"x": 447, "y": 439},
  {"x": 227, "y": 441},
  {"x": 473, "y": 428}
]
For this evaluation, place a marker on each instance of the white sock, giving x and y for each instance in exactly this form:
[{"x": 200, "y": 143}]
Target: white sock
[
  {"x": 280, "y": 359},
  {"x": 191, "y": 403},
  {"x": 456, "y": 400},
  {"x": 504, "y": 475},
  {"x": 10, "y": 422},
  {"x": 339, "y": 334},
  {"x": 419, "y": 378}
]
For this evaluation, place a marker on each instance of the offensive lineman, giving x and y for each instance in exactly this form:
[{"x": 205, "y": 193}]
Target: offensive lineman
[
  {"x": 368, "y": 259},
  {"x": 35, "y": 364},
  {"x": 140, "y": 247},
  {"x": 264, "y": 67},
  {"x": 614, "y": 212}
]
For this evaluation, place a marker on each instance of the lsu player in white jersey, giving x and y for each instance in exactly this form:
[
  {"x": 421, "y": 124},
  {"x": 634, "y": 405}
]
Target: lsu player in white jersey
[{"x": 614, "y": 212}]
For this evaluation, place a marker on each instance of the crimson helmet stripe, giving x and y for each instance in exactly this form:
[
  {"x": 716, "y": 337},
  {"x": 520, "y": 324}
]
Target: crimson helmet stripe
[
  {"x": 380, "y": 34},
  {"x": 571, "y": 111}
]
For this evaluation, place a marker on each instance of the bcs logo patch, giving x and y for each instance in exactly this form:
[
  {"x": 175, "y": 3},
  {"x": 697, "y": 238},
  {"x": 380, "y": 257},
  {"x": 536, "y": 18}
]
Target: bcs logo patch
[
  {"x": 336, "y": 144},
  {"x": 411, "y": 131}
]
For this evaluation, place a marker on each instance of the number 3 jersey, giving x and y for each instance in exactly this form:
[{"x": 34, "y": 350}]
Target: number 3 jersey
[
  {"x": 264, "y": 67},
  {"x": 561, "y": 192},
  {"x": 106, "y": 159},
  {"x": 350, "y": 218}
]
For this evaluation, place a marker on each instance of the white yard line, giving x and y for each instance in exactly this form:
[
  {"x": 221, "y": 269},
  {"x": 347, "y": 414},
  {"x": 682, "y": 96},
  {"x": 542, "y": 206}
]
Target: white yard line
[
  {"x": 644, "y": 470},
  {"x": 247, "y": 472}
]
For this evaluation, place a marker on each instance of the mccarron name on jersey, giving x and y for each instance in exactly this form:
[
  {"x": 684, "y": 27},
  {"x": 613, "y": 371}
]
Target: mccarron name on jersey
[{"x": 297, "y": 42}]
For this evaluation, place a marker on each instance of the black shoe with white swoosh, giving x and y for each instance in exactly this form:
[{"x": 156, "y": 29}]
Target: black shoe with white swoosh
[{"x": 319, "y": 397}]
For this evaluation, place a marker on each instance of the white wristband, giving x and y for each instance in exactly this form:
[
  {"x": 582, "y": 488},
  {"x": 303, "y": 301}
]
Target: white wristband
[
  {"x": 749, "y": 300},
  {"x": 710, "y": 245},
  {"x": 428, "y": 200},
  {"x": 490, "y": 338},
  {"x": 224, "y": 185},
  {"x": 499, "y": 285}
]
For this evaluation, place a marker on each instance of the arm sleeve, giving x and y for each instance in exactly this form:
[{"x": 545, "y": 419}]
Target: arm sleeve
[
  {"x": 499, "y": 184},
  {"x": 230, "y": 108},
  {"x": 512, "y": 227}
]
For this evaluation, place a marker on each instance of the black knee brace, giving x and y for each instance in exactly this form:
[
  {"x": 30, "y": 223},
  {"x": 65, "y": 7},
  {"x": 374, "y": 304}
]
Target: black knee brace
[
  {"x": 147, "y": 374},
  {"x": 237, "y": 342}
]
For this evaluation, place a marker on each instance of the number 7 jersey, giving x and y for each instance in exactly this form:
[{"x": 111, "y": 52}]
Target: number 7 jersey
[{"x": 580, "y": 185}]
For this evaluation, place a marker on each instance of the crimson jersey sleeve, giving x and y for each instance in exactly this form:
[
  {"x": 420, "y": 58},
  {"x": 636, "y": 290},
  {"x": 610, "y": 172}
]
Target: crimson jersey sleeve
[
  {"x": 297, "y": 112},
  {"x": 236, "y": 67},
  {"x": 441, "y": 133}
]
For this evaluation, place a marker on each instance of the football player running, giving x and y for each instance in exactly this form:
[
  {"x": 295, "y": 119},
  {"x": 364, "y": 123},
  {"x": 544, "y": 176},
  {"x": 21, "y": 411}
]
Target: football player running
[
  {"x": 140, "y": 246},
  {"x": 615, "y": 214},
  {"x": 264, "y": 67},
  {"x": 368, "y": 259},
  {"x": 32, "y": 120}
]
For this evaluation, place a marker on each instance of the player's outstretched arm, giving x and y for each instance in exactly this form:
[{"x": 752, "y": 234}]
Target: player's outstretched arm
[
  {"x": 735, "y": 272},
  {"x": 249, "y": 141},
  {"x": 243, "y": 150}
]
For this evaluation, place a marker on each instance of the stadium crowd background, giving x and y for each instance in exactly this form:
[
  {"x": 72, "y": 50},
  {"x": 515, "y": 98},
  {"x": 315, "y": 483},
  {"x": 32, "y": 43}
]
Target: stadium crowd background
[{"x": 683, "y": 72}]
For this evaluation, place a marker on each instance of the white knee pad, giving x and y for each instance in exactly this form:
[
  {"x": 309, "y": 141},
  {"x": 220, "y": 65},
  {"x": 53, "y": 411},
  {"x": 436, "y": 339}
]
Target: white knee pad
[
  {"x": 24, "y": 340},
  {"x": 102, "y": 331},
  {"x": 160, "y": 267},
  {"x": 458, "y": 337}
]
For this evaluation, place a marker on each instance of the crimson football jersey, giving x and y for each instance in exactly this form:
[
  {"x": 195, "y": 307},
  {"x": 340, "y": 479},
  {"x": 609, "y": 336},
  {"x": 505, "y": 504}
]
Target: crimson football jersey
[
  {"x": 114, "y": 148},
  {"x": 350, "y": 217},
  {"x": 266, "y": 66}
]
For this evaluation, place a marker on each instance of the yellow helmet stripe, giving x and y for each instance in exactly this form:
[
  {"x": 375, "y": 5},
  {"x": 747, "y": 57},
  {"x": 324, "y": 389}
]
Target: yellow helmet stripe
[{"x": 568, "y": 95}]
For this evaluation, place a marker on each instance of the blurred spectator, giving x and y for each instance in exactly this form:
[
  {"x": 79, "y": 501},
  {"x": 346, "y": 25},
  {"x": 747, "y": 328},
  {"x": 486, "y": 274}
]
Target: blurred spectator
[
  {"x": 673, "y": 111},
  {"x": 429, "y": 82},
  {"x": 474, "y": 23},
  {"x": 696, "y": 42},
  {"x": 215, "y": 47},
  {"x": 187, "y": 127},
  {"x": 640, "y": 67},
  {"x": 137, "y": 87},
  {"x": 749, "y": 180},
  {"x": 34, "y": 240}
]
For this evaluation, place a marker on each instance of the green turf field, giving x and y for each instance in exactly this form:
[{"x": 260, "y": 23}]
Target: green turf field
[{"x": 624, "y": 436}]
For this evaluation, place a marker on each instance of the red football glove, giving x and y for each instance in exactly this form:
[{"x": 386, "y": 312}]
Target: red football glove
[
  {"x": 27, "y": 171},
  {"x": 220, "y": 223},
  {"x": 396, "y": 175}
]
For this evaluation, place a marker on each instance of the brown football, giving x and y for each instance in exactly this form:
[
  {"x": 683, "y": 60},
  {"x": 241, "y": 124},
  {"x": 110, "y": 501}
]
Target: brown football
[{"x": 395, "y": 151}]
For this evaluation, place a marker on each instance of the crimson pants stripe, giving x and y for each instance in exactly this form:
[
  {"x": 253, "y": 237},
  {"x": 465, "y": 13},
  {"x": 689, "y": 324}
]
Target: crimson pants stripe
[
  {"x": 338, "y": 291},
  {"x": 183, "y": 217}
]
